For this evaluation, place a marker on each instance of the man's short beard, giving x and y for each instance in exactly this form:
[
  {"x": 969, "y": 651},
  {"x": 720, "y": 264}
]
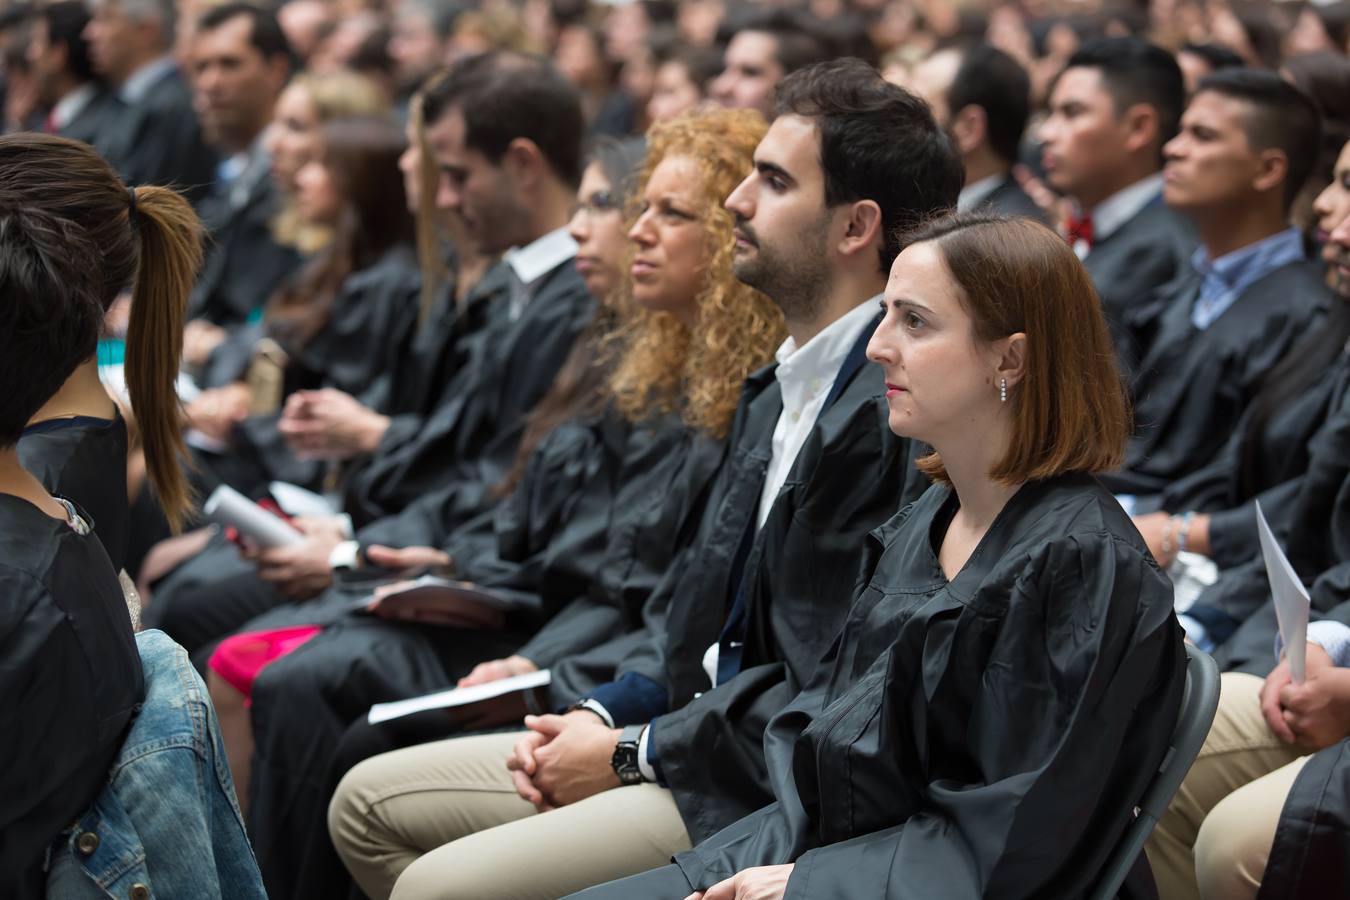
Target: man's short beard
[{"x": 797, "y": 279}]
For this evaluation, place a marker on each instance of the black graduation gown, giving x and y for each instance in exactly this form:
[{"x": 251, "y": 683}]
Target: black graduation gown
[
  {"x": 1193, "y": 386},
  {"x": 370, "y": 328},
  {"x": 215, "y": 593},
  {"x": 244, "y": 264},
  {"x": 553, "y": 541},
  {"x": 158, "y": 140},
  {"x": 1311, "y": 851},
  {"x": 793, "y": 576},
  {"x": 1146, "y": 252},
  {"x": 97, "y": 123},
  {"x": 986, "y": 736},
  {"x": 85, "y": 459},
  {"x": 655, "y": 497},
  {"x": 69, "y": 684},
  {"x": 471, "y": 437},
  {"x": 1317, "y": 542},
  {"x": 1282, "y": 449}
]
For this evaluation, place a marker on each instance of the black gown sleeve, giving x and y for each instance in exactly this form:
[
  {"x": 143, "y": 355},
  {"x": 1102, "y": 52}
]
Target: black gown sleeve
[{"x": 1083, "y": 676}]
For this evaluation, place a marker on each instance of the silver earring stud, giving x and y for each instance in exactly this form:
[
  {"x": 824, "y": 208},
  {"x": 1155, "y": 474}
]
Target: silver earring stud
[{"x": 1003, "y": 390}]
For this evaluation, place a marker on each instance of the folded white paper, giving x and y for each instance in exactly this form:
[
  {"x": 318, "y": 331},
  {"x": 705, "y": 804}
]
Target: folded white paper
[
  {"x": 383, "y": 712},
  {"x": 1291, "y": 600},
  {"x": 226, "y": 506},
  {"x": 301, "y": 502}
]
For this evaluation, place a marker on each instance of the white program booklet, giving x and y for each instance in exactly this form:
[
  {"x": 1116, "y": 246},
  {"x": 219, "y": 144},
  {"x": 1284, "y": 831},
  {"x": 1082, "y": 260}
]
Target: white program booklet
[
  {"x": 226, "y": 506},
  {"x": 383, "y": 712},
  {"x": 1291, "y": 599}
]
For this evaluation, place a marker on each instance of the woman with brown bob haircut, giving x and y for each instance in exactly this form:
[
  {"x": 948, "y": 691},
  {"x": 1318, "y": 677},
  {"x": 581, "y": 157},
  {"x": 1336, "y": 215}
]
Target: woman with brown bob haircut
[{"x": 1007, "y": 680}]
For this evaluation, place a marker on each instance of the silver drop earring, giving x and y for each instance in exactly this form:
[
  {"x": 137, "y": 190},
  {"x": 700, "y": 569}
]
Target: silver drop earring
[{"x": 1003, "y": 390}]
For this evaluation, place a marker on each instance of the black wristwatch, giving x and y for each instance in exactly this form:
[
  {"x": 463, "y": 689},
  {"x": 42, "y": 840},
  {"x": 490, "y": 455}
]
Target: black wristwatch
[{"x": 625, "y": 759}]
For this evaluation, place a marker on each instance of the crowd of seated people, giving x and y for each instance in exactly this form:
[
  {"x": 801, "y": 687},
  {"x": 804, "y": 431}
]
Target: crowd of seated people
[{"x": 837, "y": 416}]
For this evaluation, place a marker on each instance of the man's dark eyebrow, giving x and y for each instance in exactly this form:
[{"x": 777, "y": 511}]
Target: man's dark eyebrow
[{"x": 768, "y": 168}]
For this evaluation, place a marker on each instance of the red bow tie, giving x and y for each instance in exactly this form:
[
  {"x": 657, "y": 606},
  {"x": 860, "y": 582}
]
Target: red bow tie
[{"x": 1080, "y": 229}]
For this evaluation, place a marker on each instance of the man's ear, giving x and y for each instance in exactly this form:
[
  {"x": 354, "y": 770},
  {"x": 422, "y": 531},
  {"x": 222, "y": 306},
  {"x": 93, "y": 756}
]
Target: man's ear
[
  {"x": 1272, "y": 170},
  {"x": 1142, "y": 128},
  {"x": 863, "y": 227},
  {"x": 524, "y": 162},
  {"x": 970, "y": 128}
]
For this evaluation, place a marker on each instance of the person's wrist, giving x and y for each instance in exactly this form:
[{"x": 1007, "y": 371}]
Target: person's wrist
[{"x": 373, "y": 432}]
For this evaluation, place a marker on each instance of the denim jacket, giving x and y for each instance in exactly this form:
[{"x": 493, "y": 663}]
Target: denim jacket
[{"x": 167, "y": 824}]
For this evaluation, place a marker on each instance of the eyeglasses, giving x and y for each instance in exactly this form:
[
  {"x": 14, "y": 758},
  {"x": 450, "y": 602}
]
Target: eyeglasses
[{"x": 599, "y": 202}]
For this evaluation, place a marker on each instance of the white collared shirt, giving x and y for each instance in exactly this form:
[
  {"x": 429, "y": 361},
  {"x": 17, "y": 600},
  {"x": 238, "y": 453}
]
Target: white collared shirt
[
  {"x": 138, "y": 83},
  {"x": 806, "y": 374},
  {"x": 1121, "y": 207},
  {"x": 972, "y": 195},
  {"x": 72, "y": 104},
  {"x": 535, "y": 260}
]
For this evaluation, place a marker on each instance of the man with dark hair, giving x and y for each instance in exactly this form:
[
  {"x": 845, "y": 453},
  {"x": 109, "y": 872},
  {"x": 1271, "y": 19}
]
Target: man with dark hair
[
  {"x": 740, "y": 623},
  {"x": 76, "y": 103},
  {"x": 983, "y": 98},
  {"x": 1199, "y": 60},
  {"x": 156, "y": 140},
  {"x": 240, "y": 63},
  {"x": 1113, "y": 107},
  {"x": 506, "y": 132},
  {"x": 419, "y": 40},
  {"x": 1248, "y": 141},
  {"x": 765, "y": 46}
]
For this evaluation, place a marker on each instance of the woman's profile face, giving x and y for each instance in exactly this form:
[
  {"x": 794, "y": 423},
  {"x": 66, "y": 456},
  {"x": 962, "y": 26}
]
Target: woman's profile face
[
  {"x": 598, "y": 228},
  {"x": 316, "y": 194},
  {"x": 293, "y": 136},
  {"x": 940, "y": 381},
  {"x": 671, "y": 255}
]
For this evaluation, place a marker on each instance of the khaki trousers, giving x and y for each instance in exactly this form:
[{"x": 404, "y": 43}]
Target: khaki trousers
[
  {"x": 443, "y": 820},
  {"x": 1214, "y": 840}
]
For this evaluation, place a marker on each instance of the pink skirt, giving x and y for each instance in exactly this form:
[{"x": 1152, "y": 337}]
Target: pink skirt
[{"x": 239, "y": 659}]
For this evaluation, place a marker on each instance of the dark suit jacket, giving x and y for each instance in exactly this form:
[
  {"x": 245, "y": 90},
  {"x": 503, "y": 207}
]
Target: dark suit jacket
[
  {"x": 158, "y": 140},
  {"x": 1146, "y": 252},
  {"x": 244, "y": 263}
]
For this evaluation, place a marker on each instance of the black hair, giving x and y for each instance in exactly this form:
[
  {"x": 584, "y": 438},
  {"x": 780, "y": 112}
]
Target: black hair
[
  {"x": 50, "y": 314},
  {"x": 702, "y": 63},
  {"x": 504, "y": 96},
  {"x": 265, "y": 33},
  {"x": 799, "y": 39},
  {"x": 1280, "y": 116},
  {"x": 878, "y": 142},
  {"x": 72, "y": 237},
  {"x": 1135, "y": 71},
  {"x": 1216, "y": 56},
  {"x": 620, "y": 160},
  {"x": 993, "y": 81},
  {"x": 66, "y": 21}
]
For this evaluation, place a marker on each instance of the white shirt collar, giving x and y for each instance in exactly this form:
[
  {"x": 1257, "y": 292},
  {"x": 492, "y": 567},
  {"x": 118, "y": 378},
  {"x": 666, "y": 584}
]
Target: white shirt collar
[
  {"x": 541, "y": 256},
  {"x": 1124, "y": 205},
  {"x": 138, "y": 83},
  {"x": 818, "y": 360},
  {"x": 972, "y": 195},
  {"x": 72, "y": 104}
]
